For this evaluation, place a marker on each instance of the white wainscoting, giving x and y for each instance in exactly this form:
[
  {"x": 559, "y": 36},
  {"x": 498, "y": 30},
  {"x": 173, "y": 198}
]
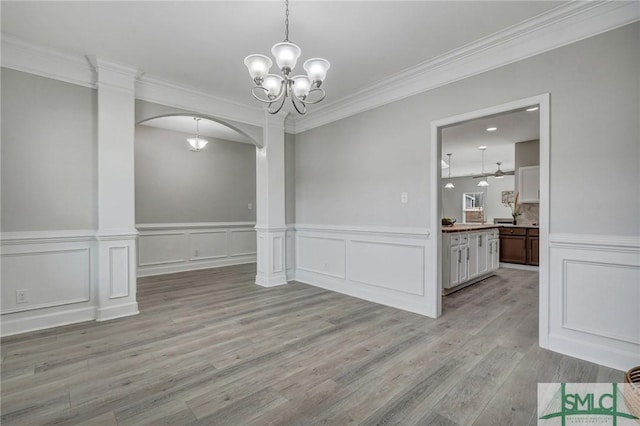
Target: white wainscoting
[
  {"x": 383, "y": 265},
  {"x": 594, "y": 298},
  {"x": 57, "y": 271},
  {"x": 175, "y": 247}
]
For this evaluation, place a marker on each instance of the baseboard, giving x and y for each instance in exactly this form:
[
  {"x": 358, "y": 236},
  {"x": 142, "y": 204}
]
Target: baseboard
[
  {"x": 28, "y": 323},
  {"x": 149, "y": 271},
  {"x": 372, "y": 294},
  {"x": 608, "y": 355},
  {"x": 520, "y": 267},
  {"x": 117, "y": 311}
]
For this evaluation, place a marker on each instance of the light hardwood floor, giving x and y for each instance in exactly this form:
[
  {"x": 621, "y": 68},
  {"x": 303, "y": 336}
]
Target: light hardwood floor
[{"x": 210, "y": 347}]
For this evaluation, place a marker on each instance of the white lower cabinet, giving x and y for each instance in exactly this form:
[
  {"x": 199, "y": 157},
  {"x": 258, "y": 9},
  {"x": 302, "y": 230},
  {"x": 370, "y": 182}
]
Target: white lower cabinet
[{"x": 468, "y": 257}]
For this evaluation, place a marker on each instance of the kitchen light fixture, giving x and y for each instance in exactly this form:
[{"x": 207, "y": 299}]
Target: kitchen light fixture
[
  {"x": 271, "y": 88},
  {"x": 483, "y": 182},
  {"x": 197, "y": 143},
  {"x": 449, "y": 185}
]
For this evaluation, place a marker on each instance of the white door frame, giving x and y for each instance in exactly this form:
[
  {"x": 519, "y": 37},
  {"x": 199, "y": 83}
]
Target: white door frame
[{"x": 435, "y": 279}]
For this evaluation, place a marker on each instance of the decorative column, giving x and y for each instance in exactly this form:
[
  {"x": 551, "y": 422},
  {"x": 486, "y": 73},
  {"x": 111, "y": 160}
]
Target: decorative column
[
  {"x": 116, "y": 235},
  {"x": 270, "y": 215}
]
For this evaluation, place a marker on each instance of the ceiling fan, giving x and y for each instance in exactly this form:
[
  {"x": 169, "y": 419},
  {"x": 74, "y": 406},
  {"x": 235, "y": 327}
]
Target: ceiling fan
[{"x": 498, "y": 173}]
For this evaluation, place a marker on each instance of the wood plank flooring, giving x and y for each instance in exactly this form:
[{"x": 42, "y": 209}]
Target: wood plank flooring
[{"x": 211, "y": 348}]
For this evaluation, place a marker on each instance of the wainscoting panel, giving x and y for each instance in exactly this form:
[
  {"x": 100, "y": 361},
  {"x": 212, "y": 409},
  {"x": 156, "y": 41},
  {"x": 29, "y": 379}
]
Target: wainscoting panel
[
  {"x": 208, "y": 244},
  {"x": 56, "y": 272},
  {"x": 595, "y": 299},
  {"x": 243, "y": 242},
  {"x": 161, "y": 248},
  {"x": 322, "y": 255},
  {"x": 49, "y": 278},
  {"x": 119, "y": 274},
  {"x": 398, "y": 267},
  {"x": 384, "y": 265},
  {"x": 175, "y": 247}
]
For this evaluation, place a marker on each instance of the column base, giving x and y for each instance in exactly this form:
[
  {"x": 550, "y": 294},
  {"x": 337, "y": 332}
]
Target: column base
[{"x": 271, "y": 256}]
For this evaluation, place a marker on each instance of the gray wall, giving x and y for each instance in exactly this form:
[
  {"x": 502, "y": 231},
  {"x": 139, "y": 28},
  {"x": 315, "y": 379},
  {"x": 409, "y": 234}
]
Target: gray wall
[
  {"x": 49, "y": 171},
  {"x": 352, "y": 172},
  {"x": 290, "y": 178},
  {"x": 176, "y": 185},
  {"x": 452, "y": 198}
]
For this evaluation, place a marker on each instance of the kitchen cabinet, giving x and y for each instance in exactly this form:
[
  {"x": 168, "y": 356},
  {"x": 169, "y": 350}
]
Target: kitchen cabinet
[
  {"x": 533, "y": 246},
  {"x": 468, "y": 257},
  {"x": 519, "y": 245},
  {"x": 513, "y": 245},
  {"x": 529, "y": 184},
  {"x": 494, "y": 250}
]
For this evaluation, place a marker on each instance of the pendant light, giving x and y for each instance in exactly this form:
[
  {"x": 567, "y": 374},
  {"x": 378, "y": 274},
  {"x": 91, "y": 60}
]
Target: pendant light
[
  {"x": 197, "y": 143},
  {"x": 449, "y": 185},
  {"x": 483, "y": 182}
]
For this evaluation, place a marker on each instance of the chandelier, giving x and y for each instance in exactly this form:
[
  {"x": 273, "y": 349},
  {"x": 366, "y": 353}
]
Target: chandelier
[
  {"x": 273, "y": 89},
  {"x": 197, "y": 143}
]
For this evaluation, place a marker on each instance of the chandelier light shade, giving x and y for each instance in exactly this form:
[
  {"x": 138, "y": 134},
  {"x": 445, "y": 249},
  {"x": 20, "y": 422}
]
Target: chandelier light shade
[
  {"x": 483, "y": 182},
  {"x": 197, "y": 143},
  {"x": 274, "y": 89},
  {"x": 449, "y": 185}
]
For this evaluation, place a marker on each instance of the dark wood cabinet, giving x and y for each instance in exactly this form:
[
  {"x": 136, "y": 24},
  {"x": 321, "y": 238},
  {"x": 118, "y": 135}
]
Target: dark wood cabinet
[{"x": 519, "y": 245}]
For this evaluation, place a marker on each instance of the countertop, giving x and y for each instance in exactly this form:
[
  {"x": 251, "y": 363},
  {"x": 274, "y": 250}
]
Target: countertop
[
  {"x": 468, "y": 227},
  {"x": 478, "y": 227}
]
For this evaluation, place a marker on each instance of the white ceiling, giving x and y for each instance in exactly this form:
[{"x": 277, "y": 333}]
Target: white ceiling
[
  {"x": 463, "y": 140},
  {"x": 202, "y": 44},
  {"x": 208, "y": 128}
]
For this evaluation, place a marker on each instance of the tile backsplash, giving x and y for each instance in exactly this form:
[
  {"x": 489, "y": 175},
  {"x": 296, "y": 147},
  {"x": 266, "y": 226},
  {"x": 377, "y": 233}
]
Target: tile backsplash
[{"x": 530, "y": 214}]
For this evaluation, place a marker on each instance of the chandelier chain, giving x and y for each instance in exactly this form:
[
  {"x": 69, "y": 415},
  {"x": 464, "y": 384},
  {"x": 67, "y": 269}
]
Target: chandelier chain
[{"x": 286, "y": 21}]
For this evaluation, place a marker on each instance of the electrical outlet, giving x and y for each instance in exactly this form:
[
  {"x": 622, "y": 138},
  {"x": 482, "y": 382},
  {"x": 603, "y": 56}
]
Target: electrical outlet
[
  {"x": 250, "y": 206},
  {"x": 404, "y": 197},
  {"x": 196, "y": 253},
  {"x": 22, "y": 296}
]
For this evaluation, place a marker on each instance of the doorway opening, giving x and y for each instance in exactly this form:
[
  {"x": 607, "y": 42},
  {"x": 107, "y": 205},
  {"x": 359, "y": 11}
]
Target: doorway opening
[{"x": 478, "y": 210}]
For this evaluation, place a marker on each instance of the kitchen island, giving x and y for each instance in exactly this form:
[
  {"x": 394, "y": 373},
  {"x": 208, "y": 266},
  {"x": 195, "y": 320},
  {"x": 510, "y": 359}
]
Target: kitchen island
[{"x": 470, "y": 253}]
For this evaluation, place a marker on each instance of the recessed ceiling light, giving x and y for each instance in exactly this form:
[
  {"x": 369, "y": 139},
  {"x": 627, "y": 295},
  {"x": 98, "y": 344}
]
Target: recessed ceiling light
[
  {"x": 535, "y": 108},
  {"x": 491, "y": 129}
]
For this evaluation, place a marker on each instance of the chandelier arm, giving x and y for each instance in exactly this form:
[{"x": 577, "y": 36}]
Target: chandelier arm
[
  {"x": 307, "y": 101},
  {"x": 279, "y": 107},
  {"x": 281, "y": 94},
  {"x": 304, "y": 106}
]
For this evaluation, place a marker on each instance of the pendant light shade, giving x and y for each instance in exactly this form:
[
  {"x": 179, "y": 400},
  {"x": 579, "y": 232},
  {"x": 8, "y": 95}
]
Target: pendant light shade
[
  {"x": 286, "y": 54},
  {"x": 316, "y": 69},
  {"x": 258, "y": 66}
]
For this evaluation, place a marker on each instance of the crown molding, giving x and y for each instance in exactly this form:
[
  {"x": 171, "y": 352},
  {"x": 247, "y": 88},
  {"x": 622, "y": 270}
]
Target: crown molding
[
  {"x": 32, "y": 58},
  {"x": 559, "y": 27},
  {"x": 157, "y": 90}
]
